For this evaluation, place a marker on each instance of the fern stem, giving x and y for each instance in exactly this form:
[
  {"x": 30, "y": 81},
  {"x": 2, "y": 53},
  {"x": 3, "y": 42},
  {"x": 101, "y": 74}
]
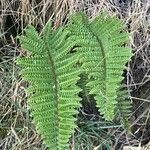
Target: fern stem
[{"x": 54, "y": 75}]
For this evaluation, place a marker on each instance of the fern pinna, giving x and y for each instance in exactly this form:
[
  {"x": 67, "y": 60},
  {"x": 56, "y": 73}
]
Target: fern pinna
[
  {"x": 55, "y": 61},
  {"x": 52, "y": 75},
  {"x": 124, "y": 107},
  {"x": 103, "y": 56}
]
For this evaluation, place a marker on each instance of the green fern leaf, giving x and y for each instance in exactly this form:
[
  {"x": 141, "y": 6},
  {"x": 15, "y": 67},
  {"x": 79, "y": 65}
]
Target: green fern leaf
[
  {"x": 51, "y": 71},
  {"x": 104, "y": 57}
]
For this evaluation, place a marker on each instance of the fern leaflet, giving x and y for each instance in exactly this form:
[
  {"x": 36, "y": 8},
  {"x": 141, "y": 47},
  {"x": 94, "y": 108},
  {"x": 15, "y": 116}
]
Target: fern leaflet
[{"x": 124, "y": 107}]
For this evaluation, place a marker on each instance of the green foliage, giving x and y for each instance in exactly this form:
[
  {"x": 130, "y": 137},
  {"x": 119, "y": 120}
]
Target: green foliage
[
  {"x": 55, "y": 62},
  {"x": 54, "y": 95},
  {"x": 104, "y": 57},
  {"x": 124, "y": 107}
]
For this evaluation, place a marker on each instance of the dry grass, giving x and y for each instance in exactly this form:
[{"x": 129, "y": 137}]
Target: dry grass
[{"x": 16, "y": 129}]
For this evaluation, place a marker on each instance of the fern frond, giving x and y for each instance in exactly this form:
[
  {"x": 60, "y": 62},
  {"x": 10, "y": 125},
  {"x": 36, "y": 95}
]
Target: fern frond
[
  {"x": 52, "y": 74},
  {"x": 103, "y": 57}
]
